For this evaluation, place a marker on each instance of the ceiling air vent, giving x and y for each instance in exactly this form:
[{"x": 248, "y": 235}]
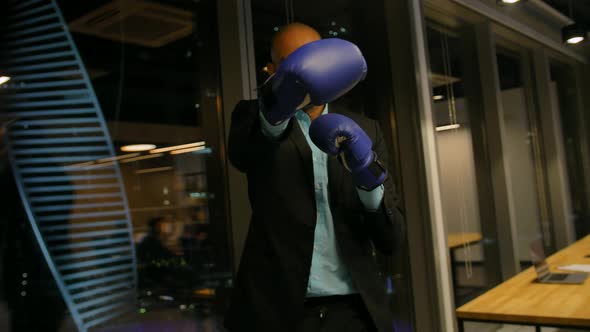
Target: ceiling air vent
[{"x": 136, "y": 21}]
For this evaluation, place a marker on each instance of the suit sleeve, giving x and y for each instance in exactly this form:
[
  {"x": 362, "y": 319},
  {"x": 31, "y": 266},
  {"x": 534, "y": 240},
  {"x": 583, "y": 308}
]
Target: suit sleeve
[
  {"x": 386, "y": 225},
  {"x": 246, "y": 142}
]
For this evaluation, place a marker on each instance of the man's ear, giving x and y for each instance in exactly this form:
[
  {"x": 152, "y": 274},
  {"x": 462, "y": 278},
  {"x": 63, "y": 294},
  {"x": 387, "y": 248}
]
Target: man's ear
[{"x": 270, "y": 68}]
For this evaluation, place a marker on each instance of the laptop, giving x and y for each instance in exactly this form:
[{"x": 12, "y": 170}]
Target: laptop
[{"x": 542, "y": 268}]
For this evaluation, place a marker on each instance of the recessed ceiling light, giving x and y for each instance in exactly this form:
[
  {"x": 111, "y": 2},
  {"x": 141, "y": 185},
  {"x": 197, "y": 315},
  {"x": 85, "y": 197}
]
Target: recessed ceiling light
[
  {"x": 131, "y": 155},
  {"x": 438, "y": 97},
  {"x": 153, "y": 170},
  {"x": 178, "y": 147},
  {"x": 149, "y": 156},
  {"x": 197, "y": 148},
  {"x": 508, "y": 1},
  {"x": 4, "y": 79},
  {"x": 448, "y": 127},
  {"x": 137, "y": 147}
]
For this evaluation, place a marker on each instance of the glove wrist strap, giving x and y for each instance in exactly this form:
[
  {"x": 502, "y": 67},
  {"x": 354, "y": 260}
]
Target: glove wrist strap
[{"x": 371, "y": 176}]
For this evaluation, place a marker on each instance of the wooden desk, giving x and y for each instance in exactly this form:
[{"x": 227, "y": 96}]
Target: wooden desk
[
  {"x": 522, "y": 301},
  {"x": 457, "y": 241}
]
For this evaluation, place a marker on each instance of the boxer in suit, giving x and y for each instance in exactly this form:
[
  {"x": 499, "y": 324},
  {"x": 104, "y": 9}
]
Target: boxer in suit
[{"x": 322, "y": 201}]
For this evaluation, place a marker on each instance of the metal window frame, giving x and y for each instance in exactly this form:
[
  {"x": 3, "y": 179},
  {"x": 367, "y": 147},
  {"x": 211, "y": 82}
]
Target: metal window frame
[
  {"x": 553, "y": 145},
  {"x": 238, "y": 81},
  {"x": 426, "y": 234},
  {"x": 582, "y": 81},
  {"x": 438, "y": 234}
]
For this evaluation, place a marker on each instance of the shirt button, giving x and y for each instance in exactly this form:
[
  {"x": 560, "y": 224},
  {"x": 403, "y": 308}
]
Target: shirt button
[
  {"x": 315, "y": 248},
  {"x": 318, "y": 186}
]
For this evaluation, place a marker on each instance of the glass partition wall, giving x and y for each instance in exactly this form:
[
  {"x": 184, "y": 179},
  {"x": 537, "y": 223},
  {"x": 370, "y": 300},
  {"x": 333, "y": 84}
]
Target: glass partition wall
[
  {"x": 565, "y": 101},
  {"x": 524, "y": 153},
  {"x": 472, "y": 244},
  {"x": 112, "y": 130},
  {"x": 464, "y": 121}
]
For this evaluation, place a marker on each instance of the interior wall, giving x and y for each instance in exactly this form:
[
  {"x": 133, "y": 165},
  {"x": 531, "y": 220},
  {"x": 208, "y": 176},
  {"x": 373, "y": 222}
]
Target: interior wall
[{"x": 457, "y": 175}]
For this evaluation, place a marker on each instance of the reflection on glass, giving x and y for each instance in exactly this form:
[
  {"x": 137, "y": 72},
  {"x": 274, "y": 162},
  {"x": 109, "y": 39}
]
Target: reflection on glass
[
  {"x": 155, "y": 205},
  {"x": 523, "y": 151},
  {"x": 473, "y": 268}
]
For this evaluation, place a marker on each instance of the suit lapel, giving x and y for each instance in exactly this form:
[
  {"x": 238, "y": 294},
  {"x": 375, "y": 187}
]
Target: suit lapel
[
  {"x": 334, "y": 172},
  {"x": 304, "y": 151}
]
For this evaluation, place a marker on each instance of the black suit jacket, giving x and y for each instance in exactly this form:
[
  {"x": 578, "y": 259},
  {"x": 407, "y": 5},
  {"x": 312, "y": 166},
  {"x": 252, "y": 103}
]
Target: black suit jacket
[{"x": 271, "y": 283}]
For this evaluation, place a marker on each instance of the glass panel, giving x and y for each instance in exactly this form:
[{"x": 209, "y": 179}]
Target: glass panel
[
  {"x": 364, "y": 24},
  {"x": 565, "y": 96},
  {"x": 123, "y": 236},
  {"x": 525, "y": 160},
  {"x": 475, "y": 266}
]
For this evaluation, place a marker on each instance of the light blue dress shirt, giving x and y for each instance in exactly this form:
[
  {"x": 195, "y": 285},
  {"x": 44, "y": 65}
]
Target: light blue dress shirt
[{"x": 328, "y": 274}]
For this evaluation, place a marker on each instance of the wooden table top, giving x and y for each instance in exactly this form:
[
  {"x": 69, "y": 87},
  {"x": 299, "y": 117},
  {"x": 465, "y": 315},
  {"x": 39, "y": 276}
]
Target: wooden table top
[
  {"x": 520, "y": 299},
  {"x": 455, "y": 240}
]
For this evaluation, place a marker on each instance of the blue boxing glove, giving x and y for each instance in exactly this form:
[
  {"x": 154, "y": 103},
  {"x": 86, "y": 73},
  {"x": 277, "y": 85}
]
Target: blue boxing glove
[
  {"x": 338, "y": 135},
  {"x": 314, "y": 74}
]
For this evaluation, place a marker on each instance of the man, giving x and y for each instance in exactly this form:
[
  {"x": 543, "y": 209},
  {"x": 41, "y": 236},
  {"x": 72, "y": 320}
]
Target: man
[{"x": 308, "y": 261}]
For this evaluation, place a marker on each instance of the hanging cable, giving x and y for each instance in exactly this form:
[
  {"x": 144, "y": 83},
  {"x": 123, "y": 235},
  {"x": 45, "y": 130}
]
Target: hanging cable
[
  {"x": 121, "y": 86},
  {"x": 289, "y": 12},
  {"x": 286, "y": 11},
  {"x": 446, "y": 76},
  {"x": 461, "y": 197}
]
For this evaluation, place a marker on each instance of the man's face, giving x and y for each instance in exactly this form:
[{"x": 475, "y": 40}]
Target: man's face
[{"x": 288, "y": 41}]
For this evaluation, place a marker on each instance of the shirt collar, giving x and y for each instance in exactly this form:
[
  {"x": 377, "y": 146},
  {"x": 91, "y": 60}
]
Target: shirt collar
[{"x": 301, "y": 115}]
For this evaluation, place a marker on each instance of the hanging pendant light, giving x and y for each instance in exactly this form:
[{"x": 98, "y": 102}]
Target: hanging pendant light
[{"x": 573, "y": 33}]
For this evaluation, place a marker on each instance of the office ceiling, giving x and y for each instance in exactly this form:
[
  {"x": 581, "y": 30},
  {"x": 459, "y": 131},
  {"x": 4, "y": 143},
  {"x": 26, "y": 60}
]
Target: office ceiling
[
  {"x": 156, "y": 82},
  {"x": 580, "y": 9}
]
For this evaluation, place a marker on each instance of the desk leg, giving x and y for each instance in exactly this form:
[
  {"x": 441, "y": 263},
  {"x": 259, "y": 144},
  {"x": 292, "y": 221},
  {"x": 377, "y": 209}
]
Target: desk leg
[
  {"x": 455, "y": 284},
  {"x": 537, "y": 328},
  {"x": 461, "y": 324}
]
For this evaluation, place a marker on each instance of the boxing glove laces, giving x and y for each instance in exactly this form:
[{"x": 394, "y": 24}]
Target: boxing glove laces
[{"x": 340, "y": 136}]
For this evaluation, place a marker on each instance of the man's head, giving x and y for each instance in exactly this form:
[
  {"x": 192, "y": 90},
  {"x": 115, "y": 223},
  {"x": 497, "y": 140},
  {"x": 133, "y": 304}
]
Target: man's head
[
  {"x": 289, "y": 38},
  {"x": 160, "y": 227}
]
